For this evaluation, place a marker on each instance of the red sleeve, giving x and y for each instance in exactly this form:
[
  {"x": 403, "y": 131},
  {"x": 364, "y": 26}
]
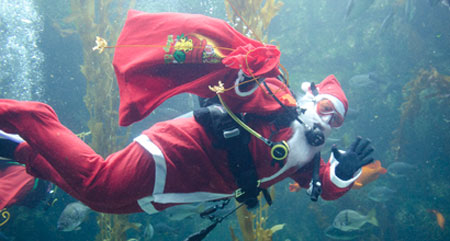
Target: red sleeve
[
  {"x": 330, "y": 191},
  {"x": 15, "y": 184}
]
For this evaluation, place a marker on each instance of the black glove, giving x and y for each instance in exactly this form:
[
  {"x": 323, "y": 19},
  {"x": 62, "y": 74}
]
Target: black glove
[{"x": 353, "y": 158}]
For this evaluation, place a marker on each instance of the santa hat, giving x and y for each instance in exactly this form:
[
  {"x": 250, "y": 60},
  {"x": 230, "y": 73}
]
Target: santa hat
[{"x": 330, "y": 89}]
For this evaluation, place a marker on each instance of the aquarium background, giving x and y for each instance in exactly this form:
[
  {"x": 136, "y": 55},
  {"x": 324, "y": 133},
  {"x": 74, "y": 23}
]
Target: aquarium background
[{"x": 392, "y": 58}]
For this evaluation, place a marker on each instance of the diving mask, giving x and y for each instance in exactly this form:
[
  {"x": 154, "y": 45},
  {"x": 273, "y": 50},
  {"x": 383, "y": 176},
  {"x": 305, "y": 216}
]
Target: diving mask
[{"x": 328, "y": 113}]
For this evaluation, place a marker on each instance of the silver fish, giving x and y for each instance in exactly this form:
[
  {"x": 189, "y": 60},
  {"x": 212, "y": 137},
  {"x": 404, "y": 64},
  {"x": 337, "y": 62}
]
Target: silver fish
[
  {"x": 410, "y": 10},
  {"x": 356, "y": 8},
  {"x": 181, "y": 212},
  {"x": 387, "y": 21},
  {"x": 400, "y": 169},
  {"x": 72, "y": 216},
  {"x": 446, "y": 3},
  {"x": 338, "y": 234},
  {"x": 148, "y": 233},
  {"x": 348, "y": 9},
  {"x": 365, "y": 80},
  {"x": 381, "y": 194},
  {"x": 348, "y": 220}
]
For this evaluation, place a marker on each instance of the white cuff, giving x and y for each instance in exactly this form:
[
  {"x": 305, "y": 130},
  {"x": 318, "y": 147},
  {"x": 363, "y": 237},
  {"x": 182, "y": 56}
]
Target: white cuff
[
  {"x": 336, "y": 180},
  {"x": 12, "y": 137}
]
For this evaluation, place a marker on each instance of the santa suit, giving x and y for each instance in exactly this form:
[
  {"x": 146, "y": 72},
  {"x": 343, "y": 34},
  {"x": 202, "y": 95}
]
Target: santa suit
[
  {"x": 174, "y": 161},
  {"x": 15, "y": 184}
]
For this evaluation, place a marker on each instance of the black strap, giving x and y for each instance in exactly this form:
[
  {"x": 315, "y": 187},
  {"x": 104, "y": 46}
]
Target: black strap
[
  {"x": 316, "y": 183},
  {"x": 314, "y": 90},
  {"x": 228, "y": 135}
]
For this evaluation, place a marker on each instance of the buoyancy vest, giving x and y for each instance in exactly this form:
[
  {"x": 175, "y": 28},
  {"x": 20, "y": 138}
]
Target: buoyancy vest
[{"x": 232, "y": 137}]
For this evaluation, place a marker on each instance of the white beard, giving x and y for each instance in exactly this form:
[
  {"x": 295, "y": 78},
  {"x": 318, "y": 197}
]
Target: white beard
[
  {"x": 310, "y": 115},
  {"x": 301, "y": 152}
]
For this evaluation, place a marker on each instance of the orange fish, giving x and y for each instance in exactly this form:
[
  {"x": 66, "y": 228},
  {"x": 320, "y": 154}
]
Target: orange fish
[
  {"x": 294, "y": 187},
  {"x": 370, "y": 173},
  {"x": 439, "y": 218}
]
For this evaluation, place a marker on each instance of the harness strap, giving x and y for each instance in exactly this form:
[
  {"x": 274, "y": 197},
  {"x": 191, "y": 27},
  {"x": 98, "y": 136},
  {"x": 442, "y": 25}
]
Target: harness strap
[
  {"x": 316, "y": 184},
  {"x": 228, "y": 135}
]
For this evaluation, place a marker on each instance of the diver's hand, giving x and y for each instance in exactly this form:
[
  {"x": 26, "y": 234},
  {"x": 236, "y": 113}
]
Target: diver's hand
[{"x": 353, "y": 158}]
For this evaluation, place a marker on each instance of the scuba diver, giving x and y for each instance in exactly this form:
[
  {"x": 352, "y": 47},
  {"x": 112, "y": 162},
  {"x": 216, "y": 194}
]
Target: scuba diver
[
  {"x": 17, "y": 187},
  {"x": 252, "y": 134}
]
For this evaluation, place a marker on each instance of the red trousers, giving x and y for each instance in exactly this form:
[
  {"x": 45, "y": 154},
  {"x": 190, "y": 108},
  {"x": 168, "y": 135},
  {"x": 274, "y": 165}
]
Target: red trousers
[
  {"x": 115, "y": 184},
  {"x": 52, "y": 152}
]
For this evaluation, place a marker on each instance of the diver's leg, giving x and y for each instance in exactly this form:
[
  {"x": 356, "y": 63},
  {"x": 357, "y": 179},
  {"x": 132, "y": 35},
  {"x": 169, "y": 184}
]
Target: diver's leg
[
  {"x": 112, "y": 185},
  {"x": 54, "y": 153}
]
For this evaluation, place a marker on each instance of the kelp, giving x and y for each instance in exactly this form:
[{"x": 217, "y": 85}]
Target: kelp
[
  {"x": 253, "y": 225},
  {"x": 89, "y": 19},
  {"x": 252, "y": 18},
  {"x": 114, "y": 227},
  {"x": 428, "y": 85}
]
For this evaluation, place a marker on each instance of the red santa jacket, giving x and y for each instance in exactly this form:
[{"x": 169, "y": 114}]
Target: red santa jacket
[
  {"x": 159, "y": 56},
  {"x": 164, "y": 54},
  {"x": 15, "y": 184}
]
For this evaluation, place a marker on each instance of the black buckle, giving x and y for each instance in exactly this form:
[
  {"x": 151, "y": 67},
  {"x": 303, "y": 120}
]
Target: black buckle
[
  {"x": 238, "y": 194},
  {"x": 251, "y": 202},
  {"x": 231, "y": 133}
]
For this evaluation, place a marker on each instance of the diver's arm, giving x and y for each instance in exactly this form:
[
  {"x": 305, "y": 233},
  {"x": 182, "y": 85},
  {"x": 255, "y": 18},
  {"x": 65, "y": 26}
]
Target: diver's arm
[{"x": 332, "y": 186}]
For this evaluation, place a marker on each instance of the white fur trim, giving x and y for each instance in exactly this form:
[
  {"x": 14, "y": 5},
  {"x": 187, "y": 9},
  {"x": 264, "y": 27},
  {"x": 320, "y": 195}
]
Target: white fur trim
[
  {"x": 336, "y": 180},
  {"x": 146, "y": 202},
  {"x": 305, "y": 86},
  {"x": 158, "y": 195},
  {"x": 12, "y": 137},
  {"x": 336, "y": 102},
  {"x": 160, "y": 162},
  {"x": 192, "y": 197},
  {"x": 146, "y": 205},
  {"x": 239, "y": 79}
]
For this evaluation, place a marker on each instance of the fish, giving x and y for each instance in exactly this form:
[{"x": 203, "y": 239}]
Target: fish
[
  {"x": 294, "y": 187},
  {"x": 381, "y": 194},
  {"x": 72, "y": 216},
  {"x": 409, "y": 10},
  {"x": 446, "y": 3},
  {"x": 400, "y": 169},
  {"x": 334, "y": 140},
  {"x": 348, "y": 9},
  {"x": 182, "y": 212},
  {"x": 365, "y": 80},
  {"x": 338, "y": 234},
  {"x": 349, "y": 220},
  {"x": 352, "y": 114},
  {"x": 387, "y": 21},
  {"x": 370, "y": 173},
  {"x": 439, "y": 218},
  {"x": 355, "y": 8},
  {"x": 148, "y": 232}
]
